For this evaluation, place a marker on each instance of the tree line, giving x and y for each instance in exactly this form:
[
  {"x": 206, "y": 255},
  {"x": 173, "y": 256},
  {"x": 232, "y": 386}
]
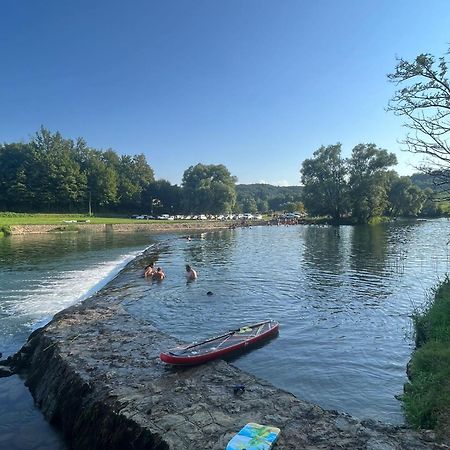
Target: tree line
[
  {"x": 361, "y": 187},
  {"x": 54, "y": 174}
]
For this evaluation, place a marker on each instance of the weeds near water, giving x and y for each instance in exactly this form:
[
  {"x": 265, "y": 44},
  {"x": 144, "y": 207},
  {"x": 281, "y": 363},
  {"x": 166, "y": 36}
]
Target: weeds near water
[
  {"x": 426, "y": 396},
  {"x": 5, "y": 230}
]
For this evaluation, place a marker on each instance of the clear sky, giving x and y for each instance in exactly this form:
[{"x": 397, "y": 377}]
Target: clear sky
[{"x": 256, "y": 85}]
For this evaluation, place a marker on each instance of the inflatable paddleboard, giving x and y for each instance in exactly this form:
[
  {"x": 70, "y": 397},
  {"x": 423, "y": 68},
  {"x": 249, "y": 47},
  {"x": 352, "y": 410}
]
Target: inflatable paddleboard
[
  {"x": 219, "y": 346},
  {"x": 254, "y": 437}
]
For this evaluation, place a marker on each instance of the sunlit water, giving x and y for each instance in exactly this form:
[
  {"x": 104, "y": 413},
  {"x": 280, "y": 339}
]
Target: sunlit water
[
  {"x": 343, "y": 297},
  {"x": 39, "y": 276}
]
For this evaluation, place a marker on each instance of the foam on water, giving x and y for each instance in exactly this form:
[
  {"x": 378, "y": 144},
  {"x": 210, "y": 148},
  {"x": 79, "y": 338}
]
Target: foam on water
[{"x": 62, "y": 289}]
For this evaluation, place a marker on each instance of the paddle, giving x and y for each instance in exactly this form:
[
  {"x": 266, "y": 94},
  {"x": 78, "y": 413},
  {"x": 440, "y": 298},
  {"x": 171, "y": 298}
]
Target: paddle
[{"x": 229, "y": 333}]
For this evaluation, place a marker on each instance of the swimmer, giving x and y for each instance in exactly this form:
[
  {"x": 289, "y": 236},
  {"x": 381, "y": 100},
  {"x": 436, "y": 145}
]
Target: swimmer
[
  {"x": 191, "y": 274},
  {"x": 159, "y": 275},
  {"x": 149, "y": 270}
]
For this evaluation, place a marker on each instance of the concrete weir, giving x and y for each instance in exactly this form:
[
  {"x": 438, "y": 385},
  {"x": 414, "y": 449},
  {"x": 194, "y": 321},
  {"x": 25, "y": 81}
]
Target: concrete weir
[{"x": 95, "y": 372}]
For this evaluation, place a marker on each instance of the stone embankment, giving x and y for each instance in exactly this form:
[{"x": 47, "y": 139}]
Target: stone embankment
[
  {"x": 95, "y": 372},
  {"x": 121, "y": 227}
]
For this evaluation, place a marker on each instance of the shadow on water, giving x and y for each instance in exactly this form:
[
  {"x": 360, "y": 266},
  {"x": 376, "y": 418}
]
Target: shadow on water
[{"x": 22, "y": 426}]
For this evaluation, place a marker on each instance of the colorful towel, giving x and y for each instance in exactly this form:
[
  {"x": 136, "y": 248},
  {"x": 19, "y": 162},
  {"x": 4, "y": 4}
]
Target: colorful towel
[{"x": 254, "y": 437}]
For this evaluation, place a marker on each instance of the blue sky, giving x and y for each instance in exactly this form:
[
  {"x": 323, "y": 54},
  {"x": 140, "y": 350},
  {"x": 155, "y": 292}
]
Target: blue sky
[{"x": 256, "y": 85}]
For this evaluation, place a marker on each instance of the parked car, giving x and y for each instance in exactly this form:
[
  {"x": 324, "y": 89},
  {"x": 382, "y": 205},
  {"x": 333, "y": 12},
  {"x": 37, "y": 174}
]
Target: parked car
[{"x": 163, "y": 217}]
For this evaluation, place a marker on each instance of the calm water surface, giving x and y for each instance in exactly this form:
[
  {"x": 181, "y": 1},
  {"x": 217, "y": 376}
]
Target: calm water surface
[{"x": 343, "y": 297}]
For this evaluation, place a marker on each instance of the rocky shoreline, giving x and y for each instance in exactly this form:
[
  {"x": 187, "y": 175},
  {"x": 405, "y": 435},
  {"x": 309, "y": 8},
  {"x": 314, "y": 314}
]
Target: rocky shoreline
[
  {"x": 126, "y": 227},
  {"x": 95, "y": 372}
]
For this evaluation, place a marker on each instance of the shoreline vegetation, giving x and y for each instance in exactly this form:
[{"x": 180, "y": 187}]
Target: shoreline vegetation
[
  {"x": 426, "y": 397},
  {"x": 28, "y": 223}
]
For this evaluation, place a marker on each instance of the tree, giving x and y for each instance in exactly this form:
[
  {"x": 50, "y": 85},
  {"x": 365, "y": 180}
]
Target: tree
[
  {"x": 368, "y": 181},
  {"x": 323, "y": 177},
  {"x": 209, "y": 189},
  {"x": 135, "y": 176},
  {"x": 430, "y": 207},
  {"x": 16, "y": 171},
  {"x": 248, "y": 205},
  {"x": 61, "y": 184},
  {"x": 424, "y": 100},
  {"x": 164, "y": 197},
  {"x": 405, "y": 199}
]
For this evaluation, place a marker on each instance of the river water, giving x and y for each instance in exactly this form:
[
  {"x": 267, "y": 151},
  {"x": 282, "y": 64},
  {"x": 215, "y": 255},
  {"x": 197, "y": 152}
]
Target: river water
[
  {"x": 343, "y": 297},
  {"x": 39, "y": 276}
]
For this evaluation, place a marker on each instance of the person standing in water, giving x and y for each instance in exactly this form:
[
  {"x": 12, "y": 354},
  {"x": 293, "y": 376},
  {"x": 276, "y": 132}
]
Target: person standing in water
[
  {"x": 159, "y": 275},
  {"x": 191, "y": 274},
  {"x": 149, "y": 270}
]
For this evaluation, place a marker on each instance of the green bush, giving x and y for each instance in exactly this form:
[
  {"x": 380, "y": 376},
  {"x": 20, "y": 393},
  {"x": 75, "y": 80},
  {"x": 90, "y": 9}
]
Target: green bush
[
  {"x": 426, "y": 396},
  {"x": 5, "y": 230}
]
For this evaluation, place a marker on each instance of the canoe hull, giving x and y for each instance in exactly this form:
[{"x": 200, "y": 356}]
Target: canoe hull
[{"x": 171, "y": 356}]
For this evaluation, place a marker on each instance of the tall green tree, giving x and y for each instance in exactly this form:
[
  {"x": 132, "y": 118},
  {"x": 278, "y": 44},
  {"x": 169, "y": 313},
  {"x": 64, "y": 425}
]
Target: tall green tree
[
  {"x": 16, "y": 172},
  {"x": 135, "y": 176},
  {"x": 62, "y": 185},
  {"x": 431, "y": 207},
  {"x": 404, "y": 198},
  {"x": 209, "y": 189},
  {"x": 368, "y": 181},
  {"x": 162, "y": 197},
  {"x": 323, "y": 177},
  {"x": 423, "y": 99}
]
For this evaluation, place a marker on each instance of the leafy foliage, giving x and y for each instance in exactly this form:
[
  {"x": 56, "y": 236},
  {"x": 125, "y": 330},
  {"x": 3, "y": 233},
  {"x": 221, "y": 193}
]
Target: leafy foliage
[
  {"x": 368, "y": 183},
  {"x": 209, "y": 188},
  {"x": 54, "y": 174},
  {"x": 324, "y": 182},
  {"x": 405, "y": 199},
  {"x": 423, "y": 99},
  {"x": 263, "y": 198},
  {"x": 427, "y": 394}
]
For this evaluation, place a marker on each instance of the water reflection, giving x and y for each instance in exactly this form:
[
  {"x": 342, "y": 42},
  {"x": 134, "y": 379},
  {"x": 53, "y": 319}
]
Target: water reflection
[
  {"x": 342, "y": 295},
  {"x": 343, "y": 310}
]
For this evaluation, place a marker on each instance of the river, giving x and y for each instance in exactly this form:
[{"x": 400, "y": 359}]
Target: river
[{"x": 343, "y": 297}]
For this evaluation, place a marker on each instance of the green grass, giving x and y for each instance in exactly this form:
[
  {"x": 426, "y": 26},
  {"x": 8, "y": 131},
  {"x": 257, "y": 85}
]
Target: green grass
[
  {"x": 66, "y": 222},
  {"x": 11, "y": 219},
  {"x": 427, "y": 395}
]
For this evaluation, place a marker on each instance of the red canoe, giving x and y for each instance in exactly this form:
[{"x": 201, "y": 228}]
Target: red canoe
[{"x": 216, "y": 347}]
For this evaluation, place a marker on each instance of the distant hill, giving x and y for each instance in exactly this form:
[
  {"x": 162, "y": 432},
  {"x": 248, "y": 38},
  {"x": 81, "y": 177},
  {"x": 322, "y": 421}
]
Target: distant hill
[
  {"x": 267, "y": 190},
  {"x": 266, "y": 197},
  {"x": 424, "y": 181}
]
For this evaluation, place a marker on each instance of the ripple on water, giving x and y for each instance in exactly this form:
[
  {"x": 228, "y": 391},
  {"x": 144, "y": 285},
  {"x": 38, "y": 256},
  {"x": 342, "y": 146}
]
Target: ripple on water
[{"x": 340, "y": 295}]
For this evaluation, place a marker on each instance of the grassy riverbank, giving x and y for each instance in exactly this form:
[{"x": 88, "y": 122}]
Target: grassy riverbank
[
  {"x": 427, "y": 394},
  {"x": 21, "y": 223},
  {"x": 11, "y": 219}
]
